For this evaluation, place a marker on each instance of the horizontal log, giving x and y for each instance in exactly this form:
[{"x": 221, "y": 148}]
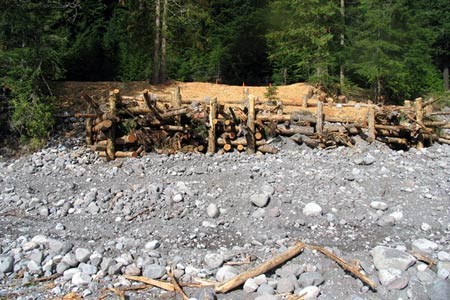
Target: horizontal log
[
  {"x": 393, "y": 140},
  {"x": 269, "y": 149},
  {"x": 239, "y": 141},
  {"x": 440, "y": 113},
  {"x": 340, "y": 128},
  {"x": 86, "y": 116},
  {"x": 173, "y": 128},
  {"x": 440, "y": 124},
  {"x": 103, "y": 125},
  {"x": 294, "y": 129},
  {"x": 126, "y": 139},
  {"x": 393, "y": 127},
  {"x": 120, "y": 154},
  {"x": 443, "y": 141},
  {"x": 294, "y": 117}
]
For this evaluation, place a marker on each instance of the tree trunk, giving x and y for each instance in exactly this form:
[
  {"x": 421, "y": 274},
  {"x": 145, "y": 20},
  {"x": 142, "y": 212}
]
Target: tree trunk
[
  {"x": 163, "y": 71},
  {"x": 446, "y": 81},
  {"x": 156, "y": 45},
  {"x": 341, "y": 71}
]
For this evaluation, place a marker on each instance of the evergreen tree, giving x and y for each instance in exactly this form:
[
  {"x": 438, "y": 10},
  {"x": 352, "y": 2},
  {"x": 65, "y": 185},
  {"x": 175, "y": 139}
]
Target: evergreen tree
[
  {"x": 303, "y": 40},
  {"x": 390, "y": 50},
  {"x": 32, "y": 44}
]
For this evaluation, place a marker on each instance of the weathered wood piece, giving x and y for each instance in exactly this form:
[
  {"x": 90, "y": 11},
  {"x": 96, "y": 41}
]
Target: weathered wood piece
[
  {"x": 371, "y": 135},
  {"x": 419, "y": 119},
  {"x": 102, "y": 126},
  {"x": 251, "y": 141},
  {"x": 346, "y": 266},
  {"x": 319, "y": 115},
  {"x": 212, "y": 128},
  {"x": 261, "y": 269},
  {"x": 267, "y": 148},
  {"x": 114, "y": 99}
]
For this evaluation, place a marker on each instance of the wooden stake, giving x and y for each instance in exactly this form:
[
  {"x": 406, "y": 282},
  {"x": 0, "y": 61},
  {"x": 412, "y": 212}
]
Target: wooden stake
[
  {"x": 114, "y": 98},
  {"x": 89, "y": 123},
  {"x": 319, "y": 122},
  {"x": 261, "y": 269},
  {"x": 251, "y": 142},
  {"x": 212, "y": 128},
  {"x": 371, "y": 124},
  {"x": 419, "y": 119}
]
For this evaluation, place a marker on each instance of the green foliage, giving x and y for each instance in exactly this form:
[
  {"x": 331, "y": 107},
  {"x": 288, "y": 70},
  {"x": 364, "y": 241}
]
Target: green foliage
[
  {"x": 32, "y": 44},
  {"x": 302, "y": 38},
  {"x": 271, "y": 93},
  {"x": 391, "y": 50}
]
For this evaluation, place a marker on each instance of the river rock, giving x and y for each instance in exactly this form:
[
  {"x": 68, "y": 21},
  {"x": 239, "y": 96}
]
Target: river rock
[{"x": 385, "y": 258}]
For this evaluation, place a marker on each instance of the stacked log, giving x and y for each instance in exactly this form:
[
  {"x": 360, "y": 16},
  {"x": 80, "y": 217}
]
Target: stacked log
[{"x": 129, "y": 126}]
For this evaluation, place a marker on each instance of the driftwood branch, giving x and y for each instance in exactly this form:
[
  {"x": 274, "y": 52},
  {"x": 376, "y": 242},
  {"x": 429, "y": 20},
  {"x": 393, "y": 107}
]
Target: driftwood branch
[
  {"x": 261, "y": 269},
  {"x": 346, "y": 266}
]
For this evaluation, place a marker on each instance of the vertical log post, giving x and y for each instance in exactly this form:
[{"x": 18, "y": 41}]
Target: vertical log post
[
  {"x": 246, "y": 94},
  {"x": 251, "y": 141},
  {"x": 89, "y": 124},
  {"x": 419, "y": 119},
  {"x": 319, "y": 123},
  {"x": 305, "y": 101},
  {"x": 114, "y": 98},
  {"x": 178, "y": 103},
  {"x": 371, "y": 124},
  {"x": 212, "y": 125}
]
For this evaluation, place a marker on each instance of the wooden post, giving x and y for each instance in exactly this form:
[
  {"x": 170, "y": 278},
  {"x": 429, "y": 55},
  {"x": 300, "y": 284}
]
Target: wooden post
[
  {"x": 319, "y": 123},
  {"x": 178, "y": 103},
  {"x": 251, "y": 125},
  {"x": 305, "y": 101},
  {"x": 212, "y": 124},
  {"x": 89, "y": 124},
  {"x": 407, "y": 103},
  {"x": 419, "y": 119},
  {"x": 371, "y": 124},
  {"x": 114, "y": 98}
]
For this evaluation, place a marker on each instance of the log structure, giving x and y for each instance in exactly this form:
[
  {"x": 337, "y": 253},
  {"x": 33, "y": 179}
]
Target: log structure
[{"x": 127, "y": 126}]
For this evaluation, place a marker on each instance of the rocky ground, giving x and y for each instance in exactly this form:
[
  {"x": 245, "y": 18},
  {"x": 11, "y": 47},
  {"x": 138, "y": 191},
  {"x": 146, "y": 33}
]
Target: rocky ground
[{"x": 65, "y": 211}]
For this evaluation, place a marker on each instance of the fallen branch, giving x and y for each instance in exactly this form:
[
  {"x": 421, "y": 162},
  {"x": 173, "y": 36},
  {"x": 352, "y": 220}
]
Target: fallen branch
[
  {"x": 119, "y": 293},
  {"x": 429, "y": 261},
  {"x": 177, "y": 287},
  {"x": 345, "y": 265},
  {"x": 261, "y": 269},
  {"x": 157, "y": 283}
]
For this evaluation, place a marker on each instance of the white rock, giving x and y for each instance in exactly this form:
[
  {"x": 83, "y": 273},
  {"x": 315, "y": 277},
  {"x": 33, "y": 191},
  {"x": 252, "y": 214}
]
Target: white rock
[
  {"x": 425, "y": 227},
  {"x": 379, "y": 205},
  {"x": 214, "y": 260},
  {"x": 309, "y": 292},
  {"x": 177, "y": 198},
  {"x": 312, "y": 209},
  {"x": 82, "y": 254},
  {"x": 424, "y": 245},
  {"x": 40, "y": 239},
  {"x": 397, "y": 215},
  {"x": 152, "y": 245},
  {"x": 213, "y": 211},
  {"x": 385, "y": 258},
  {"x": 387, "y": 276},
  {"x": 80, "y": 279},
  {"x": 260, "y": 199},
  {"x": 226, "y": 273},
  {"x": 250, "y": 285},
  {"x": 443, "y": 256},
  {"x": 261, "y": 279}
]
